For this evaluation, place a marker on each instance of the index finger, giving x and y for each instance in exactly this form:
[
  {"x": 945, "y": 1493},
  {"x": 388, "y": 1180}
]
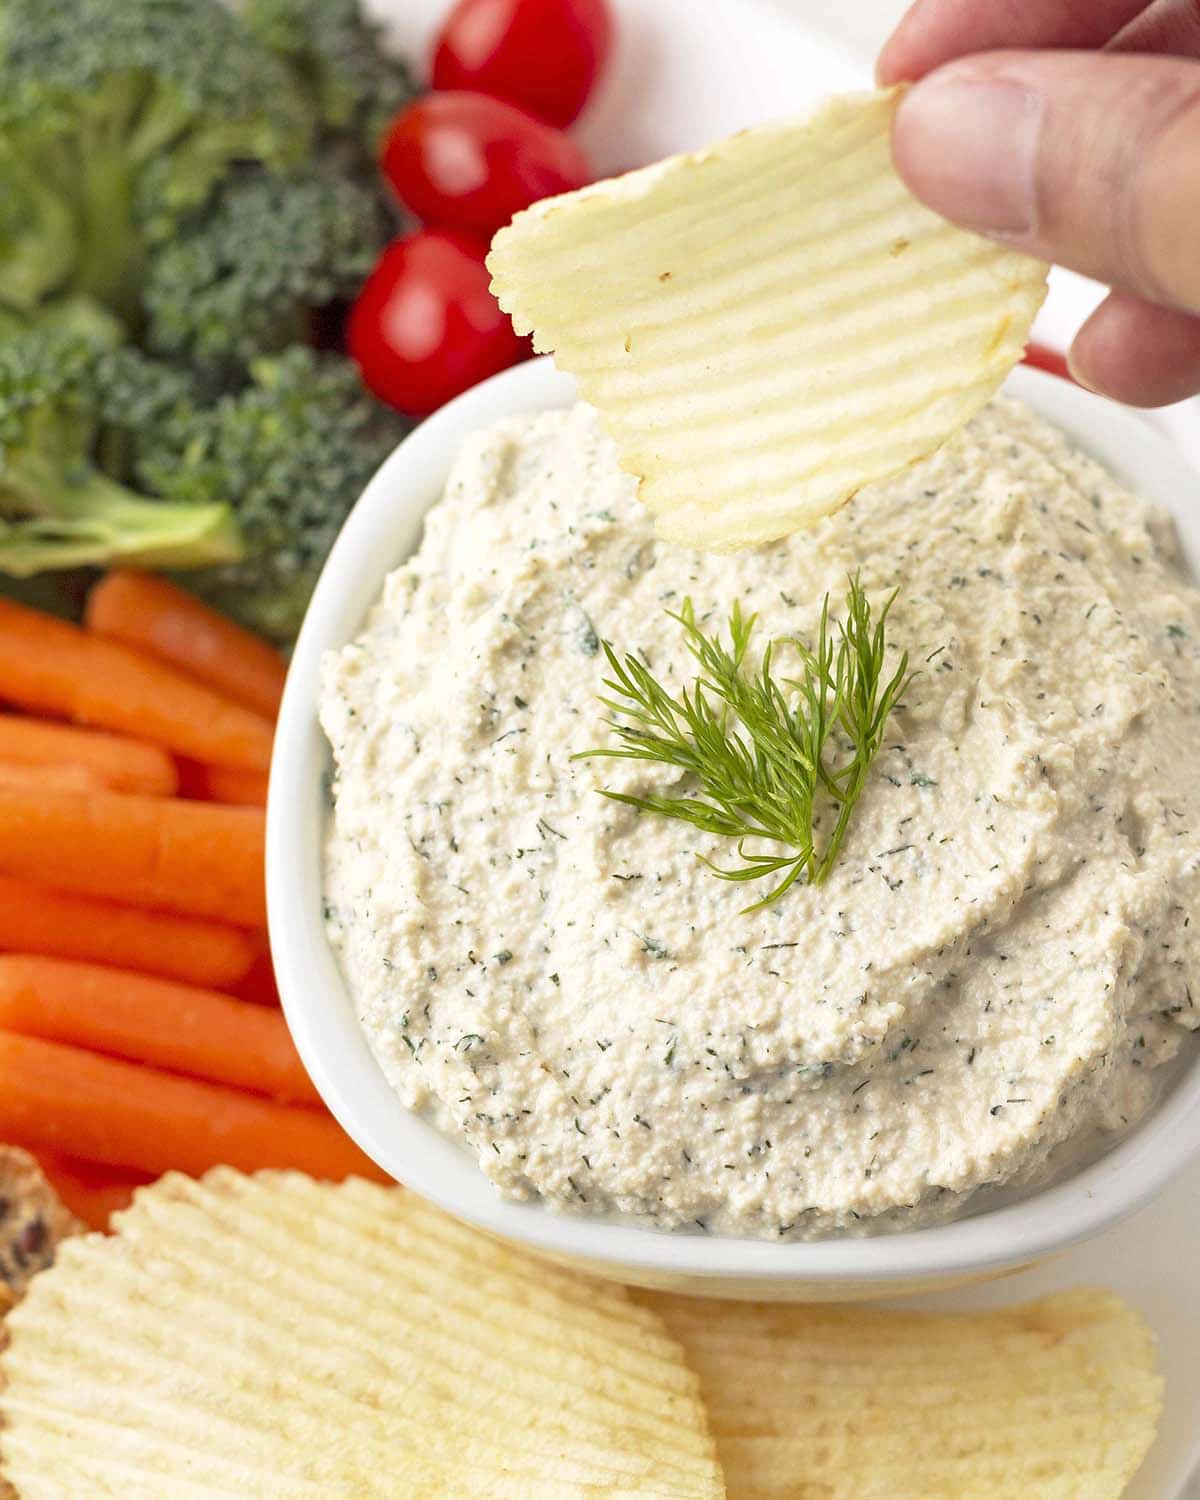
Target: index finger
[{"x": 933, "y": 32}]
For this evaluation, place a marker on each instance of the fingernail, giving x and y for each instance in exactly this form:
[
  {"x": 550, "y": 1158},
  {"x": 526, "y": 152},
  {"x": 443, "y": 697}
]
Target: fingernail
[
  {"x": 968, "y": 148},
  {"x": 1079, "y": 374}
]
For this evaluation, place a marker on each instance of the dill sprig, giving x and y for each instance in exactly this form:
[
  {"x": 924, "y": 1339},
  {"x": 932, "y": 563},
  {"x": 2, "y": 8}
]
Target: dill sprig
[{"x": 766, "y": 750}]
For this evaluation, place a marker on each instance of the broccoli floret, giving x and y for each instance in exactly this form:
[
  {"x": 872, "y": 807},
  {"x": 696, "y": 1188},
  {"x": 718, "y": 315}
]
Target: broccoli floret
[
  {"x": 244, "y": 280},
  {"x": 70, "y": 314},
  {"x": 292, "y": 452},
  {"x": 61, "y": 397},
  {"x": 117, "y": 117},
  {"x": 335, "y": 54},
  {"x": 38, "y": 239}
]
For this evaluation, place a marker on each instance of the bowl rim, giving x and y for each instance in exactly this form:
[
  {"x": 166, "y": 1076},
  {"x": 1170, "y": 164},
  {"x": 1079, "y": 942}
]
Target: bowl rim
[{"x": 380, "y": 531}]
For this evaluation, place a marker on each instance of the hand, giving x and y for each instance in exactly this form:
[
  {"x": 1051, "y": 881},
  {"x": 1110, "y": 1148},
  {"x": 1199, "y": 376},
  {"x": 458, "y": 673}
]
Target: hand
[{"x": 1085, "y": 151}]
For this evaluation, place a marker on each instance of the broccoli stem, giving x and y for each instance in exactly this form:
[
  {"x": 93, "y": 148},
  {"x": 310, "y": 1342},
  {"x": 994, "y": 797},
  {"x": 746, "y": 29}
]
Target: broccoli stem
[
  {"x": 37, "y": 235},
  {"x": 97, "y": 522},
  {"x": 111, "y": 262}
]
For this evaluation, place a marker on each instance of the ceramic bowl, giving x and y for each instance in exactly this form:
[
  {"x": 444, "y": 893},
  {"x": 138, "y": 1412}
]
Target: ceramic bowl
[{"x": 384, "y": 528}]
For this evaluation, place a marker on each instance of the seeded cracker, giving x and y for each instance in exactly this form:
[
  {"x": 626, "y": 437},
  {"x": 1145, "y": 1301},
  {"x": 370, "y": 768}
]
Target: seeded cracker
[{"x": 32, "y": 1222}]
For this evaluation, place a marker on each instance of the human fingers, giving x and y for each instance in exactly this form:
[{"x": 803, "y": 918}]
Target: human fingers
[
  {"x": 1137, "y": 352},
  {"x": 1087, "y": 159},
  {"x": 1169, "y": 26},
  {"x": 933, "y": 32}
]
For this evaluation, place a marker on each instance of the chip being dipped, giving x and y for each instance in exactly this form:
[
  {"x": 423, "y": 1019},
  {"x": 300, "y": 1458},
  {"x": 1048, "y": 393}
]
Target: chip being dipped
[
  {"x": 276, "y": 1337},
  {"x": 1057, "y": 1399},
  {"x": 768, "y": 325}
]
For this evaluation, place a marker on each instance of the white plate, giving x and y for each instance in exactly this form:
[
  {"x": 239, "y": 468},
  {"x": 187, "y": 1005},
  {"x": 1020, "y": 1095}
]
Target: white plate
[{"x": 687, "y": 72}]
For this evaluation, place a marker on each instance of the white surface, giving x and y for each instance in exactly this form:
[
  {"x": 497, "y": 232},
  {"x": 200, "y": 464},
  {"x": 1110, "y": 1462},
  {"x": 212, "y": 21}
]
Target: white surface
[
  {"x": 691, "y": 70},
  {"x": 860, "y": 25}
]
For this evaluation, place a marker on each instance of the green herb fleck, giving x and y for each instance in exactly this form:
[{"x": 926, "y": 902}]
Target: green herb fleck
[
  {"x": 584, "y": 631},
  {"x": 652, "y": 946}
]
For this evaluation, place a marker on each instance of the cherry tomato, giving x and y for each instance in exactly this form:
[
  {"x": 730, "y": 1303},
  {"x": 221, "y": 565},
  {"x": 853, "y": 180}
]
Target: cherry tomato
[
  {"x": 425, "y": 326},
  {"x": 542, "y": 54},
  {"x": 465, "y": 161},
  {"x": 1042, "y": 357}
]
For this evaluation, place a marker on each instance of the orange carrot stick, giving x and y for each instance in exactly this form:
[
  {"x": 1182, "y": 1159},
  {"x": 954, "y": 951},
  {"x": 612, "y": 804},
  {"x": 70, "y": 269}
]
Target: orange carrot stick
[
  {"x": 173, "y": 1026},
  {"x": 37, "y": 919},
  {"x": 257, "y": 985},
  {"x": 50, "y": 778},
  {"x": 124, "y": 765},
  {"x": 193, "y": 858},
  {"x": 192, "y": 782},
  {"x": 125, "y": 1115},
  {"x": 92, "y": 1193},
  {"x": 50, "y": 666},
  {"x": 223, "y": 784},
  {"x": 156, "y": 616},
  {"x": 238, "y": 788}
]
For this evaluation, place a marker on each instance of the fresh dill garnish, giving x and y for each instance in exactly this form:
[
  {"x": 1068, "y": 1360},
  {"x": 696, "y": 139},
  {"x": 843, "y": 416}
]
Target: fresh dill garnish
[{"x": 766, "y": 750}]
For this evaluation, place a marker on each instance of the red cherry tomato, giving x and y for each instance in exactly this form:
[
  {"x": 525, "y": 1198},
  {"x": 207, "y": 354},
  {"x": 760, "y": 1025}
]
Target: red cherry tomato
[
  {"x": 543, "y": 54},
  {"x": 425, "y": 326},
  {"x": 465, "y": 161},
  {"x": 1042, "y": 357}
]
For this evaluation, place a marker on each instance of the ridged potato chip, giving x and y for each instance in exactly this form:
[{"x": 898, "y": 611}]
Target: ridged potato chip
[
  {"x": 1057, "y": 1400},
  {"x": 770, "y": 324},
  {"x": 276, "y": 1337}
]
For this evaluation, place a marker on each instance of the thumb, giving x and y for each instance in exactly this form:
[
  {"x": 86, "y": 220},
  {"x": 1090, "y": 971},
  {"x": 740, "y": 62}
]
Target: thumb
[{"x": 1091, "y": 160}]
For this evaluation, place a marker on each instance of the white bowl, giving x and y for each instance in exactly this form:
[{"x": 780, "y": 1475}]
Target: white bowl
[{"x": 385, "y": 527}]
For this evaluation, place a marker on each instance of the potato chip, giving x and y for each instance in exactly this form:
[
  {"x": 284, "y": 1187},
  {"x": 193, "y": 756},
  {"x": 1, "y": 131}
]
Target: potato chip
[
  {"x": 770, "y": 324},
  {"x": 1055, "y": 1399},
  {"x": 273, "y": 1336}
]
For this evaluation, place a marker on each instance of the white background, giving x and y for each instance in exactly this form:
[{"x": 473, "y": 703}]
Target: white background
[{"x": 862, "y": 24}]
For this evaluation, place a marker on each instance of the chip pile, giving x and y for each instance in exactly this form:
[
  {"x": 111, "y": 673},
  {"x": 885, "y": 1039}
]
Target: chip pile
[
  {"x": 275, "y": 1338},
  {"x": 770, "y": 324}
]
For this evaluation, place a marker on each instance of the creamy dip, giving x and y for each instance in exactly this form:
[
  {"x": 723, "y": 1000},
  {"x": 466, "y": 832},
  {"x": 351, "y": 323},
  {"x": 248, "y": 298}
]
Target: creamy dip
[{"x": 1001, "y": 957}]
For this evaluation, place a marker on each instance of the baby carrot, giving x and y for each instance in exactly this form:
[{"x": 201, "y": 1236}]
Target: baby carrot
[
  {"x": 50, "y": 666},
  {"x": 194, "y": 858},
  {"x": 223, "y": 784},
  {"x": 36, "y": 919},
  {"x": 174, "y": 1026},
  {"x": 145, "y": 611},
  {"x": 50, "y": 778},
  {"x": 123, "y": 764},
  {"x": 125, "y": 1115},
  {"x": 257, "y": 985},
  {"x": 92, "y": 1193}
]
